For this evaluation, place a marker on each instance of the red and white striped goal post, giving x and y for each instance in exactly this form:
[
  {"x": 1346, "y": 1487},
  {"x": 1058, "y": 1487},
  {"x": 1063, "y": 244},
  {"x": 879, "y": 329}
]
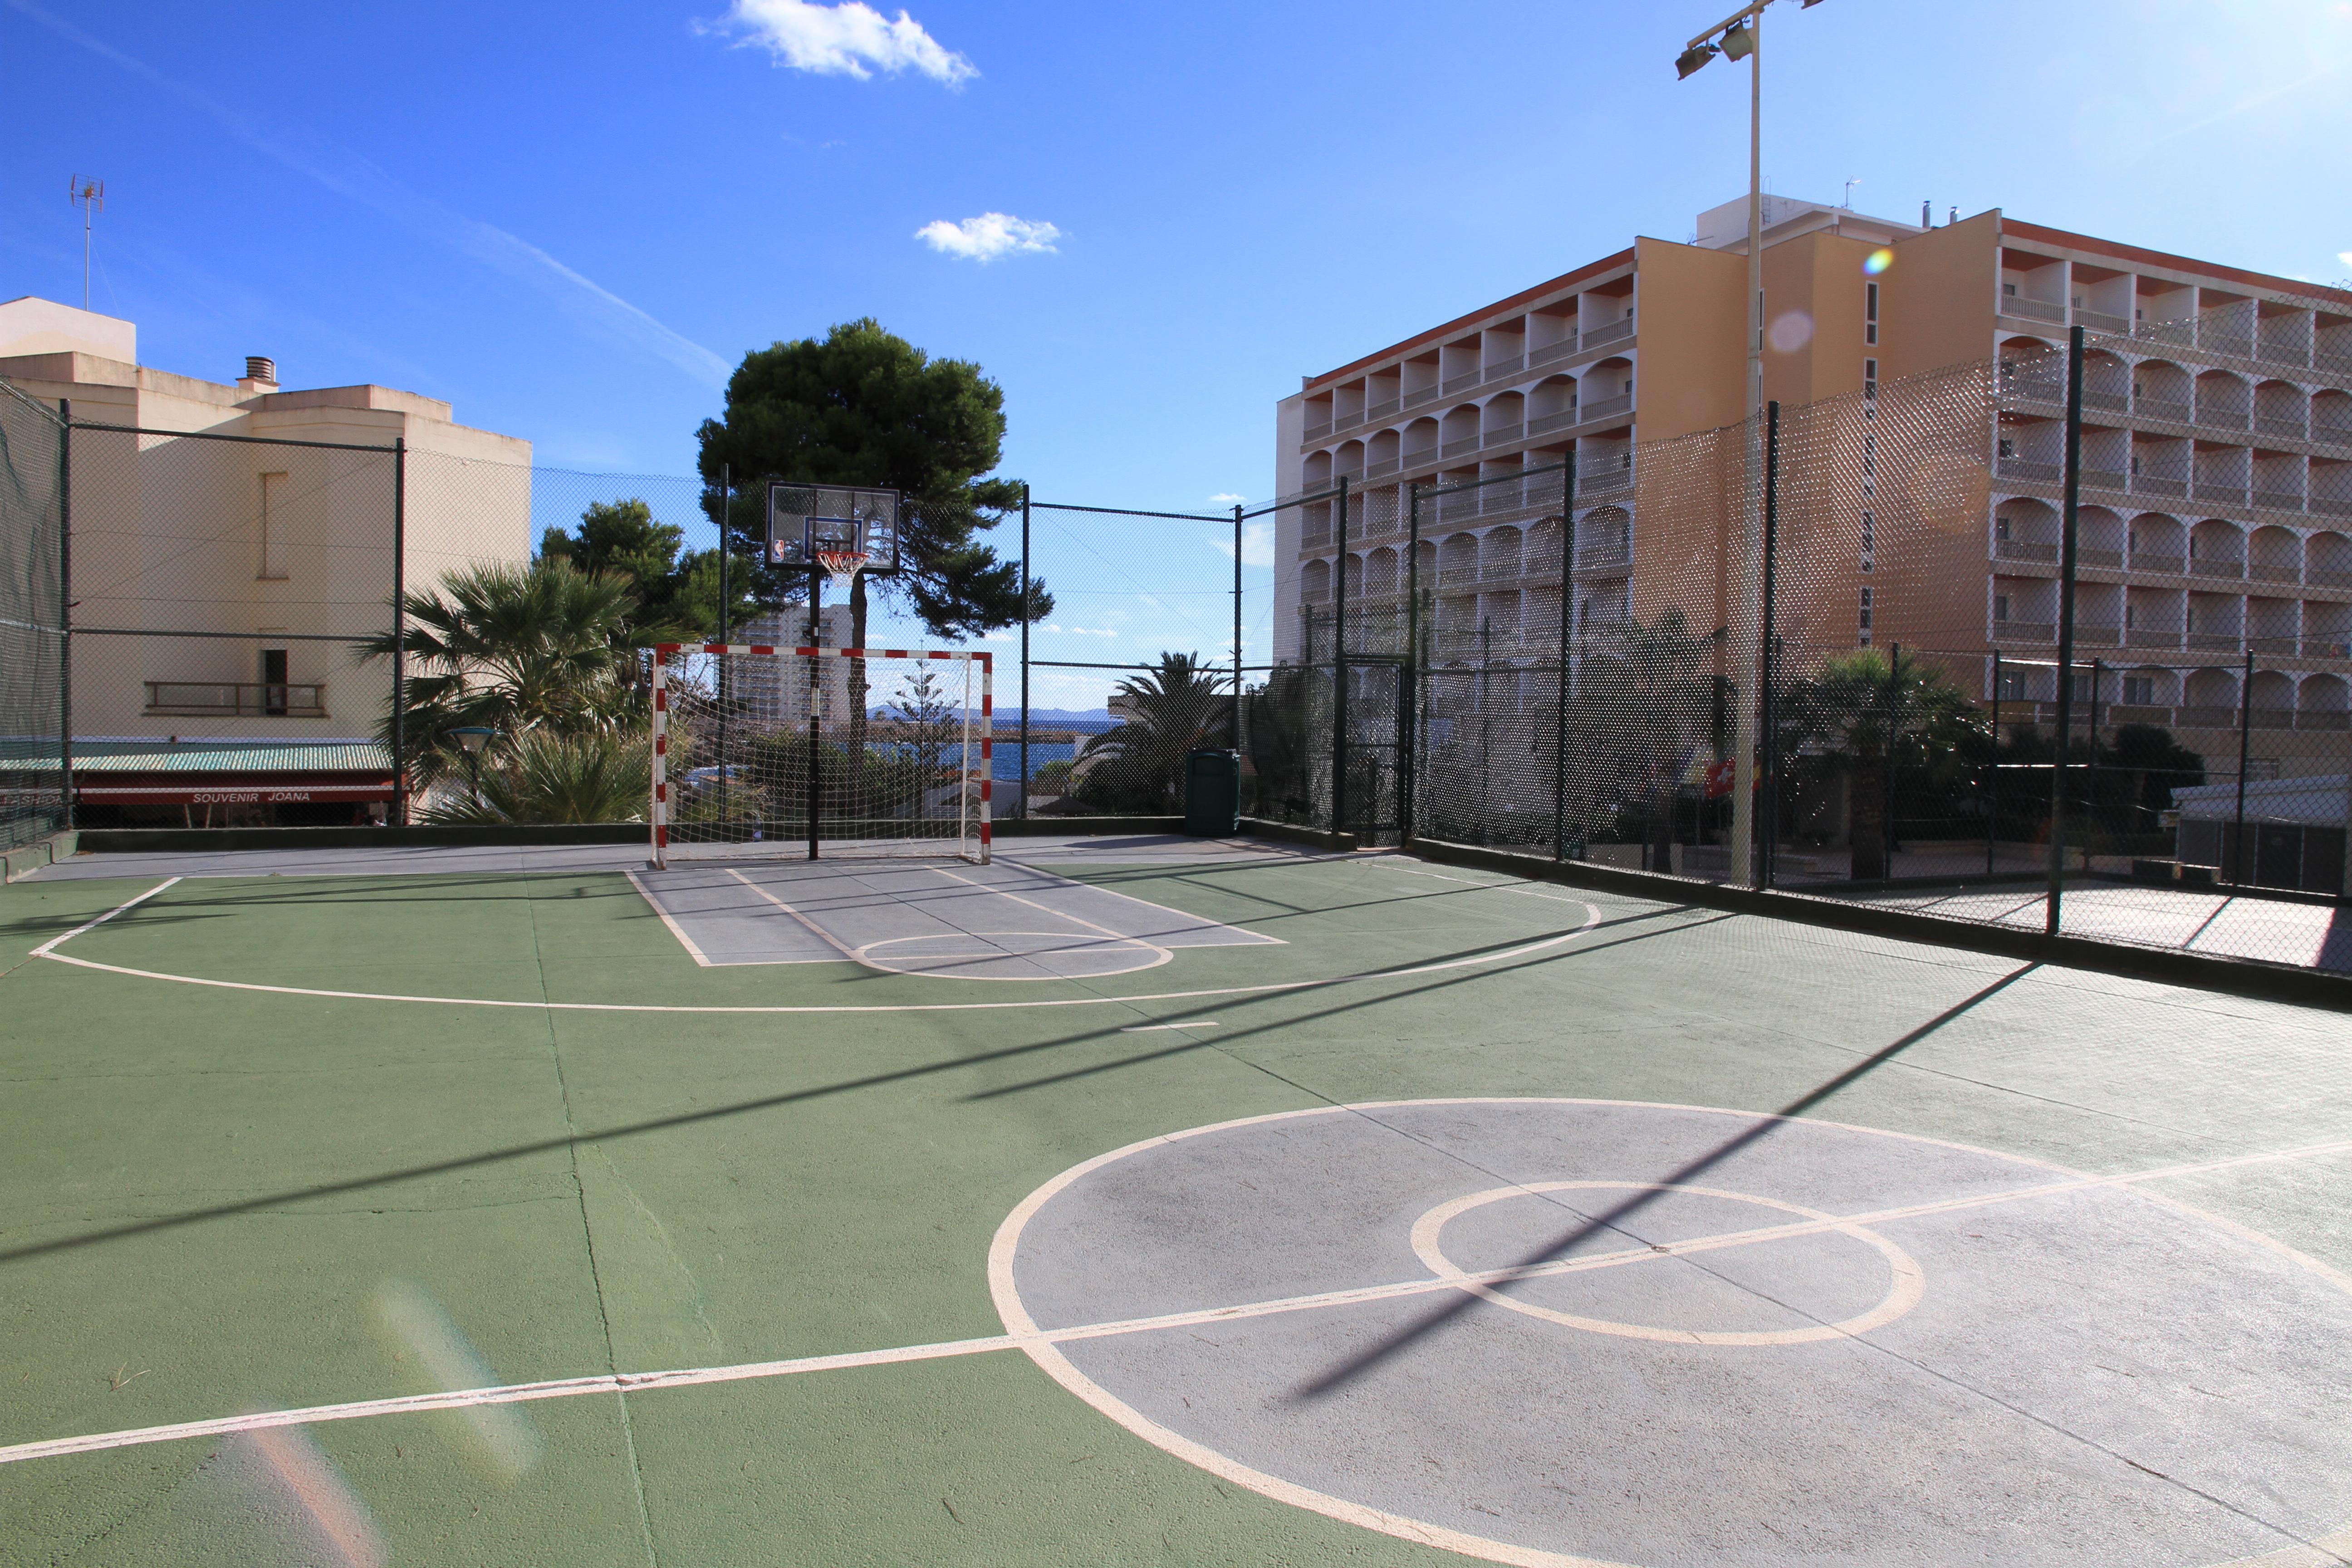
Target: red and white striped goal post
[{"x": 663, "y": 652}]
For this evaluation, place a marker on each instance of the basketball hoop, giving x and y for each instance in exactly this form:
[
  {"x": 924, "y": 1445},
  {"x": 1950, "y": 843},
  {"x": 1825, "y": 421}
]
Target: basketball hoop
[{"x": 843, "y": 565}]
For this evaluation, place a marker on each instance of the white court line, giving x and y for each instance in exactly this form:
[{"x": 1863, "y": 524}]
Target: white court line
[
  {"x": 633, "y": 1382},
  {"x": 1592, "y": 918},
  {"x": 1155, "y": 1029},
  {"x": 675, "y": 929},
  {"x": 44, "y": 950},
  {"x": 1256, "y": 936},
  {"x": 830, "y": 940}
]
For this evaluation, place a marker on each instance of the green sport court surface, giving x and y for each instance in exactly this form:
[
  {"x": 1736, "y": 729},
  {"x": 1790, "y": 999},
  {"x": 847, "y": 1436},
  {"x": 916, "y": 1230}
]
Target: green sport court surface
[{"x": 1135, "y": 1201}]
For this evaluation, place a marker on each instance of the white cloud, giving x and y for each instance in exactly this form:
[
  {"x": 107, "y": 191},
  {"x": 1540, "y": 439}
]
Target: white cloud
[
  {"x": 850, "y": 39},
  {"x": 1257, "y": 545},
  {"x": 989, "y": 235},
  {"x": 2345, "y": 256},
  {"x": 1226, "y": 497}
]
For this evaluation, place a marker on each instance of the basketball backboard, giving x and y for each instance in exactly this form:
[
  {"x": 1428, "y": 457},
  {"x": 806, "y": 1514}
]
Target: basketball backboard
[{"x": 806, "y": 520}]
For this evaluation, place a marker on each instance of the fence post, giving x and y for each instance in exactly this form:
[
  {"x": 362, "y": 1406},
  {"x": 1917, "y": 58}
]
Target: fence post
[
  {"x": 719, "y": 679},
  {"x": 1567, "y": 616},
  {"x": 1024, "y": 649},
  {"x": 2069, "y": 519},
  {"x": 2237, "y": 855},
  {"x": 1340, "y": 671},
  {"x": 1409, "y": 772},
  {"x": 1767, "y": 830},
  {"x": 1237, "y": 631},
  {"x": 65, "y": 612},
  {"x": 399, "y": 631},
  {"x": 1893, "y": 737},
  {"x": 1992, "y": 769}
]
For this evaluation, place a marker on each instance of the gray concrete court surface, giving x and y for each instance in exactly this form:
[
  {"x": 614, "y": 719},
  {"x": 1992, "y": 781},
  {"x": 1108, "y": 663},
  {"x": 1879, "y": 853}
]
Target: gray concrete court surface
[
  {"x": 2227, "y": 925},
  {"x": 1921, "y": 1353},
  {"x": 999, "y": 921}
]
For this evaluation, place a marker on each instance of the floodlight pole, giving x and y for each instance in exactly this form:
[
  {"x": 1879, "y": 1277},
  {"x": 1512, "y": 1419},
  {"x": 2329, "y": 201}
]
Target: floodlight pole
[{"x": 1025, "y": 652}]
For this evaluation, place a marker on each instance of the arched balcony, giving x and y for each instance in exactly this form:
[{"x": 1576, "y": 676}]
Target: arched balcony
[
  {"x": 1551, "y": 405},
  {"x": 1604, "y": 539},
  {"x": 1503, "y": 420},
  {"x": 1459, "y": 431},
  {"x": 2326, "y": 629},
  {"x": 2328, "y": 491},
  {"x": 2153, "y": 617},
  {"x": 2331, "y": 417},
  {"x": 1385, "y": 454},
  {"x": 1420, "y": 443},
  {"x": 2224, "y": 401},
  {"x": 2282, "y": 409},
  {"x": 1380, "y": 574},
  {"x": 2032, "y": 371},
  {"x": 2107, "y": 382},
  {"x": 1348, "y": 462},
  {"x": 2208, "y": 700},
  {"x": 2098, "y": 538},
  {"x": 2158, "y": 544},
  {"x": 1499, "y": 556},
  {"x": 2152, "y": 688},
  {"x": 2272, "y": 705},
  {"x": 2274, "y": 627},
  {"x": 2328, "y": 561},
  {"x": 2162, "y": 390},
  {"x": 2025, "y": 530},
  {"x": 1540, "y": 552},
  {"x": 2217, "y": 549},
  {"x": 1315, "y": 583},
  {"x": 2322, "y": 702},
  {"x": 2278, "y": 480},
  {"x": 1458, "y": 560},
  {"x": 1605, "y": 390},
  {"x": 2274, "y": 554}
]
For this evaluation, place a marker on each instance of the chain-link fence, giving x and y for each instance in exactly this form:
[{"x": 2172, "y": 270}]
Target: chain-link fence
[{"x": 34, "y": 719}]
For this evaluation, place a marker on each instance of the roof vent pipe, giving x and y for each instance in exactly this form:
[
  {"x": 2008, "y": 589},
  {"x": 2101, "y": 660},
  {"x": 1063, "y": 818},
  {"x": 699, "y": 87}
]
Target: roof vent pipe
[{"x": 261, "y": 367}]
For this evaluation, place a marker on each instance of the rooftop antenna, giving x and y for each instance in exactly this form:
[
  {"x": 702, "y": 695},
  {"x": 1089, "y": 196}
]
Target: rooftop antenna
[
  {"x": 90, "y": 196},
  {"x": 1848, "y": 203}
]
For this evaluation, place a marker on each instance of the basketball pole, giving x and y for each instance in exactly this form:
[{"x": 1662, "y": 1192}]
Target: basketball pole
[{"x": 815, "y": 674}]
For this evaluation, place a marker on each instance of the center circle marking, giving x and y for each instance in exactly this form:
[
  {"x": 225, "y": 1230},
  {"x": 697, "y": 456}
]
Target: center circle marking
[
  {"x": 1907, "y": 1282},
  {"x": 1126, "y": 954}
]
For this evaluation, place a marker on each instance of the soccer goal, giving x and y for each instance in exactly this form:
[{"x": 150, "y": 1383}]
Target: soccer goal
[{"x": 776, "y": 752}]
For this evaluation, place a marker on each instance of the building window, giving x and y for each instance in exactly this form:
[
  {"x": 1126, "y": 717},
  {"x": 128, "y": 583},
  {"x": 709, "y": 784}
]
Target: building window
[
  {"x": 1866, "y": 618},
  {"x": 1870, "y": 374},
  {"x": 2000, "y": 606},
  {"x": 1869, "y": 537},
  {"x": 273, "y": 525},
  {"x": 2000, "y": 528},
  {"x": 2139, "y": 691},
  {"x": 2013, "y": 685},
  {"x": 2007, "y": 448},
  {"x": 2131, "y": 617},
  {"x": 273, "y": 680},
  {"x": 1870, "y": 313}
]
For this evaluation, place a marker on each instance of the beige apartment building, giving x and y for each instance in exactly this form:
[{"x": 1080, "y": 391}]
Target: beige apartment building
[
  {"x": 2217, "y": 486},
  {"x": 229, "y": 539}
]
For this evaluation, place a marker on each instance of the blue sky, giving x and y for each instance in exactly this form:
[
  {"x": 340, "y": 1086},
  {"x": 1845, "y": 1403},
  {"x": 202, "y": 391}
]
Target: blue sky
[{"x": 569, "y": 220}]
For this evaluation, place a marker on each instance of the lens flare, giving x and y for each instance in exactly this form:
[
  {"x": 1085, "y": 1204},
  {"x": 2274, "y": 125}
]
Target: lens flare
[
  {"x": 1878, "y": 261},
  {"x": 417, "y": 1320},
  {"x": 1791, "y": 330}
]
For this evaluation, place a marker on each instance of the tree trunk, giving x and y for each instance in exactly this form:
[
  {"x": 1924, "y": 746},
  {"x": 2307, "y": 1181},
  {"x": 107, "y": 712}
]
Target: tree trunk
[{"x": 1868, "y": 816}]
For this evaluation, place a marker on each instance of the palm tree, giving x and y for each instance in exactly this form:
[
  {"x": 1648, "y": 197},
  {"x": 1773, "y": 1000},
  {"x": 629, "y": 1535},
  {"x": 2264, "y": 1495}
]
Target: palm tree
[
  {"x": 1880, "y": 711},
  {"x": 1181, "y": 706},
  {"x": 515, "y": 649},
  {"x": 595, "y": 776}
]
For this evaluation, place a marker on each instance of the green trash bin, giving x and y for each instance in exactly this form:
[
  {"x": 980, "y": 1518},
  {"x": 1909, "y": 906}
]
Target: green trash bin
[{"x": 1213, "y": 794}]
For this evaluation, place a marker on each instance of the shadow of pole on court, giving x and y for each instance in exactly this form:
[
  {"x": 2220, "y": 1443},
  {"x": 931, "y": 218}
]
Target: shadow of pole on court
[{"x": 1615, "y": 1218}]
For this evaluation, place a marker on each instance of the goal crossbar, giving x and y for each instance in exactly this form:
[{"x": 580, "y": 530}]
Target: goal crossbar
[{"x": 734, "y": 773}]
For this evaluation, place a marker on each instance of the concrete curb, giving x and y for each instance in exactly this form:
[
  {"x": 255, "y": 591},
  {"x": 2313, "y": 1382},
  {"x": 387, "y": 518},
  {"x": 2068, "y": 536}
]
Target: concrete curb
[
  {"x": 27, "y": 858},
  {"x": 2237, "y": 977}
]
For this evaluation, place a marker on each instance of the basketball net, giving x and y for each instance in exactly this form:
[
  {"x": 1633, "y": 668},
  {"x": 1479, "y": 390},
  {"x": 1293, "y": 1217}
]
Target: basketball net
[{"x": 843, "y": 565}]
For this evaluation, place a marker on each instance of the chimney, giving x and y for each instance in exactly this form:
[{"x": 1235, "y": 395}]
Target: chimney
[{"x": 260, "y": 372}]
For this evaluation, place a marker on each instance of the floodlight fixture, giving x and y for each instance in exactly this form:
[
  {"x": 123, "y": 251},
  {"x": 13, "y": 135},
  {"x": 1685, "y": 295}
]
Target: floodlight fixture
[
  {"x": 1739, "y": 42},
  {"x": 1690, "y": 59}
]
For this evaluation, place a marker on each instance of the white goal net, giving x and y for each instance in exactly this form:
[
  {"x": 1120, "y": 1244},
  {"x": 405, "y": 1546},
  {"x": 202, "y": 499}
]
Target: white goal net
[{"x": 820, "y": 753}]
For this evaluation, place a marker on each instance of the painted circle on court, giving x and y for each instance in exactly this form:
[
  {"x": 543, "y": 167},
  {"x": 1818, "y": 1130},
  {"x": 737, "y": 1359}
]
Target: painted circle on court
[
  {"x": 1576, "y": 1332},
  {"x": 1012, "y": 955}
]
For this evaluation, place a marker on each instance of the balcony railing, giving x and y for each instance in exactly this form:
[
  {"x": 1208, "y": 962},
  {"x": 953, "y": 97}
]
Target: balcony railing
[
  {"x": 2029, "y": 468},
  {"x": 2331, "y": 435},
  {"x": 2217, "y": 490},
  {"x": 1456, "y": 449},
  {"x": 1505, "y": 368},
  {"x": 2333, "y": 506},
  {"x": 2099, "y": 637},
  {"x": 2328, "y": 578},
  {"x": 1605, "y": 481},
  {"x": 2024, "y": 310},
  {"x": 1604, "y": 407},
  {"x": 2113, "y": 401},
  {"x": 234, "y": 699},
  {"x": 1503, "y": 434},
  {"x": 2272, "y": 350},
  {"x": 2158, "y": 485},
  {"x": 2217, "y": 642},
  {"x": 2217, "y": 566},
  {"x": 2024, "y": 631},
  {"x": 2275, "y": 572},
  {"x": 2323, "y": 719},
  {"x": 1427, "y": 394},
  {"x": 2105, "y": 479},
  {"x": 1564, "y": 348},
  {"x": 2173, "y": 409},
  {"x": 2201, "y": 717},
  {"x": 2100, "y": 321},
  {"x": 1609, "y": 557},
  {"x": 2280, "y": 425},
  {"x": 2338, "y": 645},
  {"x": 2034, "y": 389},
  {"x": 1419, "y": 456},
  {"x": 1317, "y": 433},
  {"x": 2285, "y": 646},
  {"x": 2024, "y": 549},
  {"x": 1609, "y": 332},
  {"x": 2279, "y": 501},
  {"x": 1384, "y": 410},
  {"x": 1381, "y": 470},
  {"x": 1545, "y": 424},
  {"x": 2178, "y": 333},
  {"x": 2087, "y": 555},
  {"x": 1453, "y": 383},
  {"x": 2152, "y": 561},
  {"x": 2222, "y": 418},
  {"x": 2151, "y": 636}
]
